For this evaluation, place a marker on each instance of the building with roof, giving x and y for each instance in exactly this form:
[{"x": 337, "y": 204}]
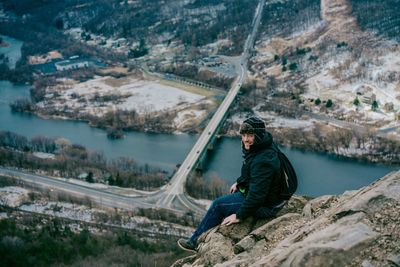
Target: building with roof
[{"x": 71, "y": 64}]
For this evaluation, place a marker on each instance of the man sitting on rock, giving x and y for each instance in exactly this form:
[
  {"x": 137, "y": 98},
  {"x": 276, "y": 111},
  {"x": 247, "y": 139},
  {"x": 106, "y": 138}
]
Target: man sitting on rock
[{"x": 257, "y": 190}]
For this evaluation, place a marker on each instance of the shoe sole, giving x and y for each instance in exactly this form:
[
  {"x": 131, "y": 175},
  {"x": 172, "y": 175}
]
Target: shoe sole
[{"x": 187, "y": 249}]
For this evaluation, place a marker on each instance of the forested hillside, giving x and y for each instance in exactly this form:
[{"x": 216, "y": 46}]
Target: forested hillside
[
  {"x": 152, "y": 21},
  {"x": 36, "y": 240},
  {"x": 282, "y": 18},
  {"x": 382, "y": 17}
]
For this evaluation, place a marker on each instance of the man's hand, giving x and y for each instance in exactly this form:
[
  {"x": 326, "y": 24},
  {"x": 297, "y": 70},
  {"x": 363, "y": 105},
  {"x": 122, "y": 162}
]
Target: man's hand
[
  {"x": 233, "y": 188},
  {"x": 230, "y": 220}
]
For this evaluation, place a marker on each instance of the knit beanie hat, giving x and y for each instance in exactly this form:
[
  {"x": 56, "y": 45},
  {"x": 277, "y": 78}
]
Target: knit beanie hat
[{"x": 256, "y": 126}]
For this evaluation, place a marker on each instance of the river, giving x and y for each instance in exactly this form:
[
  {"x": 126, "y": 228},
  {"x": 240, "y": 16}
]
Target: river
[
  {"x": 319, "y": 174},
  {"x": 12, "y": 50}
]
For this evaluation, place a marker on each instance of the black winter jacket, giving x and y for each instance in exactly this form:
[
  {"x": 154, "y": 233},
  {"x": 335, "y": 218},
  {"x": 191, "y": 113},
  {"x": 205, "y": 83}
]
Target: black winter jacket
[{"x": 259, "y": 177}]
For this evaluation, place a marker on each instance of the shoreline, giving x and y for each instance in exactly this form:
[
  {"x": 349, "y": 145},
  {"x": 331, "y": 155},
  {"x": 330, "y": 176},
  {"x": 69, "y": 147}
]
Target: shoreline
[
  {"x": 363, "y": 157},
  {"x": 346, "y": 157},
  {"x": 4, "y": 44}
]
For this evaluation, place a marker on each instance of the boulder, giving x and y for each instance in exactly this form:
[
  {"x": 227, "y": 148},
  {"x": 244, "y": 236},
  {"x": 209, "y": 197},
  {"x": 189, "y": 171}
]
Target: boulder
[{"x": 357, "y": 228}]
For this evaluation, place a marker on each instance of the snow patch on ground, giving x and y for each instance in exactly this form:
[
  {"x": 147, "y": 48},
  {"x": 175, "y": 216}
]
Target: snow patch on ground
[
  {"x": 238, "y": 118},
  {"x": 62, "y": 210},
  {"x": 155, "y": 96},
  {"x": 187, "y": 115},
  {"x": 133, "y": 94},
  {"x": 390, "y": 125},
  {"x": 351, "y": 151},
  {"x": 378, "y": 76},
  {"x": 13, "y": 196},
  {"x": 203, "y": 202},
  {"x": 311, "y": 29},
  {"x": 91, "y": 185},
  {"x": 273, "y": 120},
  {"x": 43, "y": 155},
  {"x": 130, "y": 192},
  {"x": 90, "y": 215}
]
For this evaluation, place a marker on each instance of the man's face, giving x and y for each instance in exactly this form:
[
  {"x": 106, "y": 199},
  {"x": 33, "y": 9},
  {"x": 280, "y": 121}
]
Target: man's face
[{"x": 248, "y": 140}]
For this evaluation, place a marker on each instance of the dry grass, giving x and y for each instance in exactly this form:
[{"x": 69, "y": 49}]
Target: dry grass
[
  {"x": 190, "y": 88},
  {"x": 185, "y": 87},
  {"x": 114, "y": 70},
  {"x": 113, "y": 82}
]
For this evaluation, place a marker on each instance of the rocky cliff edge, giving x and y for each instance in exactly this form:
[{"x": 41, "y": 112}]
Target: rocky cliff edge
[{"x": 357, "y": 228}]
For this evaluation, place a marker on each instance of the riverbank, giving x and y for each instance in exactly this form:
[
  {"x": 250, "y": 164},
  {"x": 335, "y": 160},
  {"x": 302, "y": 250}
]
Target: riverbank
[
  {"x": 307, "y": 135},
  {"x": 302, "y": 133},
  {"x": 132, "y": 102},
  {"x": 4, "y": 44},
  {"x": 58, "y": 158},
  {"x": 104, "y": 102},
  {"x": 314, "y": 135},
  {"x": 165, "y": 151}
]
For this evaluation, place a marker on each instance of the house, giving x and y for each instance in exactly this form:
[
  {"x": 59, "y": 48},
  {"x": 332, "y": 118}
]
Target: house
[
  {"x": 388, "y": 107},
  {"x": 368, "y": 98},
  {"x": 366, "y": 94},
  {"x": 71, "y": 64}
]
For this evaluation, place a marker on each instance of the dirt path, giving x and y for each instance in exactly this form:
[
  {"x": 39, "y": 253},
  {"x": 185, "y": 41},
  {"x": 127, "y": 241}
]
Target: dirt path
[
  {"x": 341, "y": 25},
  {"x": 338, "y": 26}
]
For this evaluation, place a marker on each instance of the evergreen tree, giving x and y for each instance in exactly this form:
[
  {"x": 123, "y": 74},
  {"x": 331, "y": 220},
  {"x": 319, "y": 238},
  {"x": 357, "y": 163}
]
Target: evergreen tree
[
  {"x": 118, "y": 180},
  {"x": 374, "y": 105},
  {"x": 284, "y": 60},
  {"x": 111, "y": 180},
  {"x": 356, "y": 102},
  {"x": 293, "y": 66},
  {"x": 89, "y": 177}
]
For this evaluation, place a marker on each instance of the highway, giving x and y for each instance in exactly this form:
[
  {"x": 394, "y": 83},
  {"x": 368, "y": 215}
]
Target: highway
[{"x": 98, "y": 196}]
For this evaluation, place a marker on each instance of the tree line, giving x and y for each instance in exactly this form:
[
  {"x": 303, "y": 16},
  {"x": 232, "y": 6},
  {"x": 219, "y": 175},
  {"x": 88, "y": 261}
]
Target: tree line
[
  {"x": 41, "y": 36},
  {"x": 194, "y": 72},
  {"x": 43, "y": 241},
  {"x": 71, "y": 160},
  {"x": 282, "y": 18},
  {"x": 143, "y": 20},
  {"x": 200, "y": 187},
  {"x": 341, "y": 142},
  {"x": 378, "y": 16}
]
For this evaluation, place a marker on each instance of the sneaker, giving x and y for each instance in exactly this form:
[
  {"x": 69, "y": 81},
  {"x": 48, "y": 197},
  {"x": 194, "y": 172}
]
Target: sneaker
[{"x": 186, "y": 244}]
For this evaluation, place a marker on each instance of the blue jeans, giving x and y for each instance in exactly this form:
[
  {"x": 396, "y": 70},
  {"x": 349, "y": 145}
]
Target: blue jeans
[
  {"x": 221, "y": 208},
  {"x": 226, "y": 205}
]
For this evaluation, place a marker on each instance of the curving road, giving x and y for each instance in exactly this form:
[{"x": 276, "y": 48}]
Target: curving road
[{"x": 101, "y": 197}]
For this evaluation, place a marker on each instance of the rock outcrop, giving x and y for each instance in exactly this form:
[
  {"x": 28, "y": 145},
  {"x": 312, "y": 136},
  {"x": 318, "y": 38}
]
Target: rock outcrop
[{"x": 357, "y": 228}]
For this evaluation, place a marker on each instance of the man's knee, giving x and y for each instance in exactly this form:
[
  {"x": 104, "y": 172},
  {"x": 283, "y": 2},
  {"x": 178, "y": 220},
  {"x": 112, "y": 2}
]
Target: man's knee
[{"x": 216, "y": 204}]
